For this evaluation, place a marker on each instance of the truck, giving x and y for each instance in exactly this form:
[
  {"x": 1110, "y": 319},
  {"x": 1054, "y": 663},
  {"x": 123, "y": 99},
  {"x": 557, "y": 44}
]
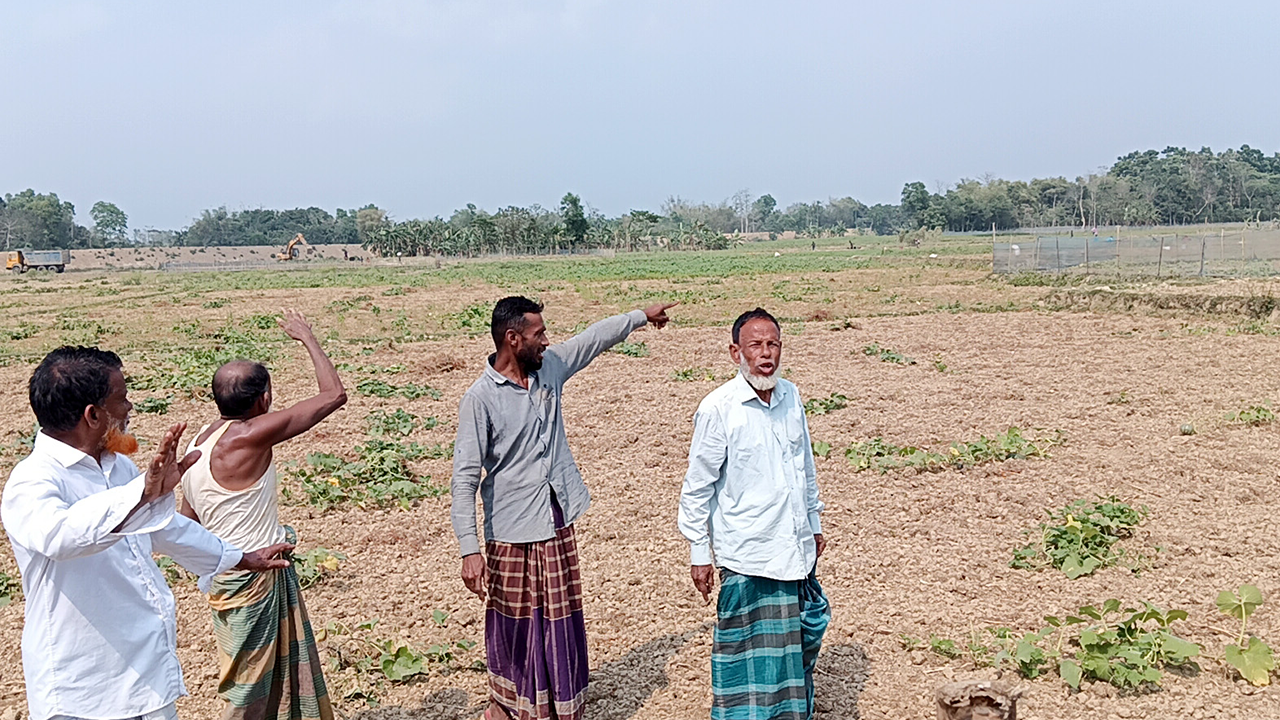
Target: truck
[{"x": 20, "y": 261}]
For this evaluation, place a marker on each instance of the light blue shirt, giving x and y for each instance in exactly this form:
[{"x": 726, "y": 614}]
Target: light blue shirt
[{"x": 750, "y": 495}]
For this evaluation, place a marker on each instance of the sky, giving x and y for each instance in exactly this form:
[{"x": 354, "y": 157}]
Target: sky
[{"x": 167, "y": 108}]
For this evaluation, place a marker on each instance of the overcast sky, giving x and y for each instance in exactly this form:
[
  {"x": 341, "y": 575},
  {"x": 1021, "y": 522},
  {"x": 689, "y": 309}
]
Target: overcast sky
[{"x": 169, "y": 108}]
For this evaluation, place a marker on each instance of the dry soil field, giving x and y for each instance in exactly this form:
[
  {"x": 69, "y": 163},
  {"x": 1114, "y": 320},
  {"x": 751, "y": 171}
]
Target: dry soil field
[{"x": 1117, "y": 370}]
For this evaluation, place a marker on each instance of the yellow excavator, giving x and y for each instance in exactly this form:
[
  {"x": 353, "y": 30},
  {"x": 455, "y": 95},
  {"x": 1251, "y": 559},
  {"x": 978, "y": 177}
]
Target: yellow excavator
[{"x": 293, "y": 251}]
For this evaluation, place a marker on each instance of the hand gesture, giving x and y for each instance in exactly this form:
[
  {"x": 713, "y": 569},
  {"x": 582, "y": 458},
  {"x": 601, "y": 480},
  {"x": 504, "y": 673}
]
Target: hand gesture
[
  {"x": 657, "y": 314},
  {"x": 704, "y": 578},
  {"x": 265, "y": 559},
  {"x": 296, "y": 326},
  {"x": 166, "y": 471},
  {"x": 475, "y": 574}
]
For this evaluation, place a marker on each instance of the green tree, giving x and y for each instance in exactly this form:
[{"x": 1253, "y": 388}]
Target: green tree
[
  {"x": 369, "y": 219},
  {"x": 915, "y": 201},
  {"x": 762, "y": 209},
  {"x": 110, "y": 224},
  {"x": 574, "y": 219},
  {"x": 43, "y": 221}
]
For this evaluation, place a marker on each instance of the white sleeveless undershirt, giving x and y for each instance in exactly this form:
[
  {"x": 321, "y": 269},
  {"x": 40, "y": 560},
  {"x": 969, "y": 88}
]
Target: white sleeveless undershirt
[{"x": 249, "y": 518}]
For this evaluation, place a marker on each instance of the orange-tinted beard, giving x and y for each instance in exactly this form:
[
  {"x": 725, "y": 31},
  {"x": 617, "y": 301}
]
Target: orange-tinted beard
[{"x": 119, "y": 441}]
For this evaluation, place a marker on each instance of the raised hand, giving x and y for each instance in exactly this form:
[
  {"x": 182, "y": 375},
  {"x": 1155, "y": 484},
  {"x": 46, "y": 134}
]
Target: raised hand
[
  {"x": 268, "y": 558},
  {"x": 475, "y": 574},
  {"x": 657, "y": 313},
  {"x": 165, "y": 471},
  {"x": 296, "y": 326}
]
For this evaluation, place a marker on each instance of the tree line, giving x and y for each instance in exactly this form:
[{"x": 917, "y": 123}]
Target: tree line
[{"x": 1165, "y": 187}]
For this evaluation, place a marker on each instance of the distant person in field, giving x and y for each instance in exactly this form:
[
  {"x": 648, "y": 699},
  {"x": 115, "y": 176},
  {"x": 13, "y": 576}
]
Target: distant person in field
[
  {"x": 750, "y": 508},
  {"x": 511, "y": 446},
  {"x": 99, "y": 634},
  {"x": 267, "y": 653}
]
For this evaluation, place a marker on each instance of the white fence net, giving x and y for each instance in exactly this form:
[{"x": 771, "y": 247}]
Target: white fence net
[{"x": 1207, "y": 253}]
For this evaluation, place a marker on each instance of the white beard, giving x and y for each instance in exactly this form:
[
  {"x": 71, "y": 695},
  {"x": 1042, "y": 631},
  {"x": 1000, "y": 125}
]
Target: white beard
[{"x": 762, "y": 383}]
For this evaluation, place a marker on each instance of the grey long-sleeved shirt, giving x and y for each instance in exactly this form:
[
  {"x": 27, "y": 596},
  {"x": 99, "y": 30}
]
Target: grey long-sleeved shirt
[{"x": 517, "y": 437}]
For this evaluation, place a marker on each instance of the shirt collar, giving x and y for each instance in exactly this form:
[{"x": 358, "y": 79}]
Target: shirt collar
[
  {"x": 62, "y": 453},
  {"x": 743, "y": 392},
  {"x": 498, "y": 378}
]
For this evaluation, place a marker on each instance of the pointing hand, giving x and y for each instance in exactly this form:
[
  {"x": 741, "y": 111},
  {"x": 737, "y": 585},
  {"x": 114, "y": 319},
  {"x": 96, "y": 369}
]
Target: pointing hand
[{"x": 657, "y": 313}]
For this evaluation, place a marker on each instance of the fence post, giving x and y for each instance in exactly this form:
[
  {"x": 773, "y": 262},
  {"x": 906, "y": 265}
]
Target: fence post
[
  {"x": 1057, "y": 252},
  {"x": 1086, "y": 256},
  {"x": 1202, "y": 243},
  {"x": 1160, "y": 260}
]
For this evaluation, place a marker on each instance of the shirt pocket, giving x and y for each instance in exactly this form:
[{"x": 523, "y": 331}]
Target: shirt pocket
[{"x": 794, "y": 426}]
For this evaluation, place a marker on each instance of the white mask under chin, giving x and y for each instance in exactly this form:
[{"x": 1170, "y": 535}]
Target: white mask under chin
[{"x": 763, "y": 383}]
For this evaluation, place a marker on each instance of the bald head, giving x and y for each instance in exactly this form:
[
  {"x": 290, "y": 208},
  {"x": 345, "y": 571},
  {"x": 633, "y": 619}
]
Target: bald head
[{"x": 238, "y": 385}]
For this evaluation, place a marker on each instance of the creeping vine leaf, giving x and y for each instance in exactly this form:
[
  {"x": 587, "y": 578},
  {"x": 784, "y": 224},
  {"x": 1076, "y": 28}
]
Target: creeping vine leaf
[
  {"x": 1255, "y": 663},
  {"x": 1242, "y": 604}
]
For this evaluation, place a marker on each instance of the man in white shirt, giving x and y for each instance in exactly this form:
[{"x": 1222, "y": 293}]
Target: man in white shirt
[
  {"x": 750, "y": 499},
  {"x": 100, "y": 634}
]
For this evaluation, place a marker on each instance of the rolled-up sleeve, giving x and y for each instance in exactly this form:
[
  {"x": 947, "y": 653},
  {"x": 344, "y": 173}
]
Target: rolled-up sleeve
[
  {"x": 578, "y": 351},
  {"x": 195, "y": 548},
  {"x": 39, "y": 518},
  {"x": 470, "y": 448},
  {"x": 707, "y": 454}
]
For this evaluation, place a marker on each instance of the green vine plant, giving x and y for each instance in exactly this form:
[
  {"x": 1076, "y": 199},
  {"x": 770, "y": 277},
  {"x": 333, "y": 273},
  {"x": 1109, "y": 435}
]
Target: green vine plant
[
  {"x": 822, "y": 406},
  {"x": 884, "y": 354},
  {"x": 315, "y": 564},
  {"x": 361, "y": 663},
  {"x": 876, "y": 454},
  {"x": 1127, "y": 647},
  {"x": 1082, "y": 538},
  {"x": 10, "y": 588},
  {"x": 1249, "y": 655}
]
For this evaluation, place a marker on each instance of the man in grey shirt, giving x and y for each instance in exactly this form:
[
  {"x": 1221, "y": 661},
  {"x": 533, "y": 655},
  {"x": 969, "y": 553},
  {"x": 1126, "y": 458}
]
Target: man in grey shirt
[{"x": 510, "y": 426}]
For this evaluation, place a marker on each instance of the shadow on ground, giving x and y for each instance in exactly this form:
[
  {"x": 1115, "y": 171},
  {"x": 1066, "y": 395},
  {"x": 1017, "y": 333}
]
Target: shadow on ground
[
  {"x": 838, "y": 680},
  {"x": 619, "y": 689}
]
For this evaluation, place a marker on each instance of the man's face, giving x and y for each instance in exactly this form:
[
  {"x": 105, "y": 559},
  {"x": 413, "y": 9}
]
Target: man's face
[
  {"x": 759, "y": 348},
  {"x": 114, "y": 417},
  {"x": 531, "y": 343}
]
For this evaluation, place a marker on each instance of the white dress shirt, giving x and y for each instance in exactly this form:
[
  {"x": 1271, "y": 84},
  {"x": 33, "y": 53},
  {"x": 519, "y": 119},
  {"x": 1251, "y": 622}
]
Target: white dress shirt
[
  {"x": 751, "y": 492},
  {"x": 100, "y": 637}
]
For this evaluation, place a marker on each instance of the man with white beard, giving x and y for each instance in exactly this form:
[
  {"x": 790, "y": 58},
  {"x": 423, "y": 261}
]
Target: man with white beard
[{"x": 750, "y": 507}]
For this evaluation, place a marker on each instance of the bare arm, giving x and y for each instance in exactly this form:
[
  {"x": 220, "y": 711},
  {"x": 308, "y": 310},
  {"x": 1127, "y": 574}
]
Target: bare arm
[
  {"x": 187, "y": 511},
  {"x": 276, "y": 427}
]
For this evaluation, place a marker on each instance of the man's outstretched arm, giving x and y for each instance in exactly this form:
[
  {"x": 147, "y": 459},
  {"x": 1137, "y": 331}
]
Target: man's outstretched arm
[
  {"x": 276, "y": 427},
  {"x": 578, "y": 351}
]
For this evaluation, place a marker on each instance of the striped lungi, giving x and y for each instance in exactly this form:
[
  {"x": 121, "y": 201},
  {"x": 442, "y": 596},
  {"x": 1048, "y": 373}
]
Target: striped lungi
[
  {"x": 535, "y": 637},
  {"x": 765, "y": 646},
  {"x": 269, "y": 668}
]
